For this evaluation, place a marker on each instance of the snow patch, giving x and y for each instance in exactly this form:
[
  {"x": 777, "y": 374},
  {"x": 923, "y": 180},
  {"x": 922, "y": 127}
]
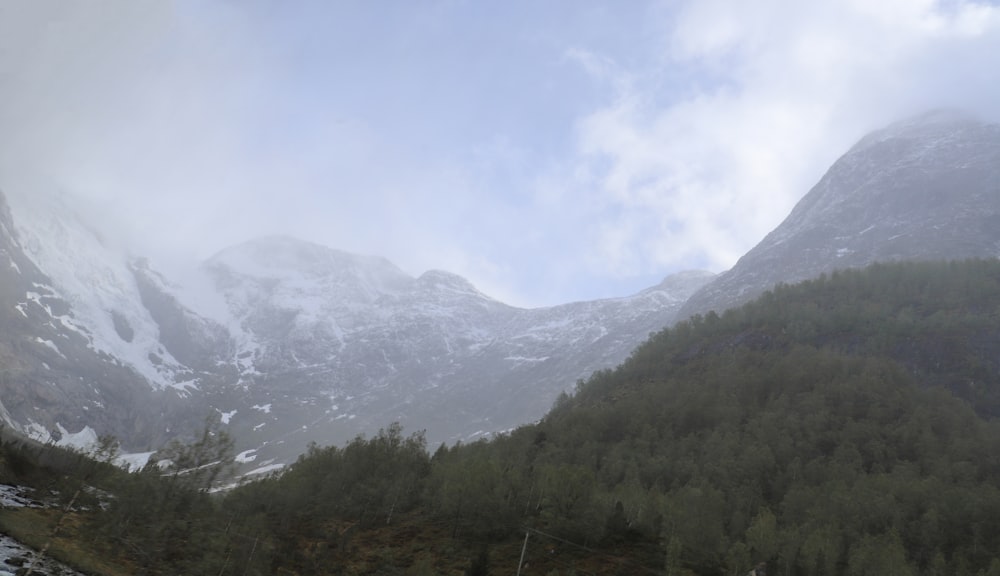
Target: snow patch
[
  {"x": 84, "y": 441},
  {"x": 93, "y": 277},
  {"x": 184, "y": 386},
  {"x": 16, "y": 497},
  {"x": 37, "y": 432},
  {"x": 11, "y": 549},
  {"x": 265, "y": 408},
  {"x": 246, "y": 456},
  {"x": 227, "y": 416},
  {"x": 49, "y": 344},
  {"x": 265, "y": 469},
  {"x": 134, "y": 461},
  {"x": 521, "y": 360}
]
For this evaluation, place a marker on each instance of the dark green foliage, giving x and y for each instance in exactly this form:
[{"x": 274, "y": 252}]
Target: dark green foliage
[
  {"x": 845, "y": 426},
  {"x": 162, "y": 517},
  {"x": 817, "y": 425},
  {"x": 330, "y": 494},
  {"x": 198, "y": 464},
  {"x": 368, "y": 481},
  {"x": 837, "y": 427},
  {"x": 480, "y": 564}
]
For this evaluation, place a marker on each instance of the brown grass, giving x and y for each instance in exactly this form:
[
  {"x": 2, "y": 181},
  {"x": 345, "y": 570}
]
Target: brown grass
[{"x": 33, "y": 527}]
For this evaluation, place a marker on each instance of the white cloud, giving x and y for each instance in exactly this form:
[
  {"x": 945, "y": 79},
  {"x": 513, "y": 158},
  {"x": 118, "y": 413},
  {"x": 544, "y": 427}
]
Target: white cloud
[
  {"x": 544, "y": 152},
  {"x": 697, "y": 179},
  {"x": 133, "y": 104}
]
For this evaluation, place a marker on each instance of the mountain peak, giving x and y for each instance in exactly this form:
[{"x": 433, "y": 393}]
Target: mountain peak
[
  {"x": 274, "y": 253},
  {"x": 441, "y": 280},
  {"x": 925, "y": 188},
  {"x": 293, "y": 261},
  {"x": 896, "y": 171},
  {"x": 685, "y": 277},
  {"x": 930, "y": 129},
  {"x": 938, "y": 119}
]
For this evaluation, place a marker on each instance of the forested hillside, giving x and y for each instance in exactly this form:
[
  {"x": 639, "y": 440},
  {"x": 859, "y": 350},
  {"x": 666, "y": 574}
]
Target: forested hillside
[{"x": 844, "y": 426}]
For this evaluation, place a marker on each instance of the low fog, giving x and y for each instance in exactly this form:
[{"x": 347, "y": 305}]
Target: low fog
[{"x": 567, "y": 151}]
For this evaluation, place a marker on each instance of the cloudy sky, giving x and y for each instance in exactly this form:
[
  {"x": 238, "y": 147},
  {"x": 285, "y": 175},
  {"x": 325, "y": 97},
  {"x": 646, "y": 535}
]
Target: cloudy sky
[{"x": 548, "y": 150}]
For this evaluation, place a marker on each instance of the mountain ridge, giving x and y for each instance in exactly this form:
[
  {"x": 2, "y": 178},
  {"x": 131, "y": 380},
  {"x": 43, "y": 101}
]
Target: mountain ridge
[
  {"x": 924, "y": 188},
  {"x": 288, "y": 342},
  {"x": 331, "y": 343}
]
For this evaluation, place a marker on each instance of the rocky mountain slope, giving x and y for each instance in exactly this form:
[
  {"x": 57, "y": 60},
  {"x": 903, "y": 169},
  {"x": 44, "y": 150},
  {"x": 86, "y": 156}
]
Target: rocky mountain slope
[
  {"x": 927, "y": 188},
  {"x": 285, "y": 341},
  {"x": 320, "y": 343},
  {"x": 58, "y": 379},
  {"x": 288, "y": 342}
]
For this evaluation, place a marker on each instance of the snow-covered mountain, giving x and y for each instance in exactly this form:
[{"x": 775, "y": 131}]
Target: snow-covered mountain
[
  {"x": 94, "y": 279},
  {"x": 926, "y": 188},
  {"x": 62, "y": 374},
  {"x": 326, "y": 344},
  {"x": 287, "y": 341}
]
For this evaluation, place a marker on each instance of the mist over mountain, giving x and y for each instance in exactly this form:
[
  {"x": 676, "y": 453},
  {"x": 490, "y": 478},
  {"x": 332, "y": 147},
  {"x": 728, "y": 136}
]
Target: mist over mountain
[
  {"x": 289, "y": 342},
  {"x": 63, "y": 375}
]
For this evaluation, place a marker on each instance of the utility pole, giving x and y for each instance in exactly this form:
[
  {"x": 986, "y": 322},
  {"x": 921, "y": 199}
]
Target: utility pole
[{"x": 523, "y": 550}]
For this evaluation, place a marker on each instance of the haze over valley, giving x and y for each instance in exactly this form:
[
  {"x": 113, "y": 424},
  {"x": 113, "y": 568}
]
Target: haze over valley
[{"x": 448, "y": 287}]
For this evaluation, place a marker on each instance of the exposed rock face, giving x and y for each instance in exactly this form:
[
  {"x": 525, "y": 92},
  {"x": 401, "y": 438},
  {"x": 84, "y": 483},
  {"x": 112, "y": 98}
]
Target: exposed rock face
[
  {"x": 343, "y": 343},
  {"x": 923, "y": 189},
  {"x": 288, "y": 342},
  {"x": 52, "y": 378}
]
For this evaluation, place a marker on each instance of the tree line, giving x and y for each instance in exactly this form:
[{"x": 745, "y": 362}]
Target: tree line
[{"x": 842, "y": 426}]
